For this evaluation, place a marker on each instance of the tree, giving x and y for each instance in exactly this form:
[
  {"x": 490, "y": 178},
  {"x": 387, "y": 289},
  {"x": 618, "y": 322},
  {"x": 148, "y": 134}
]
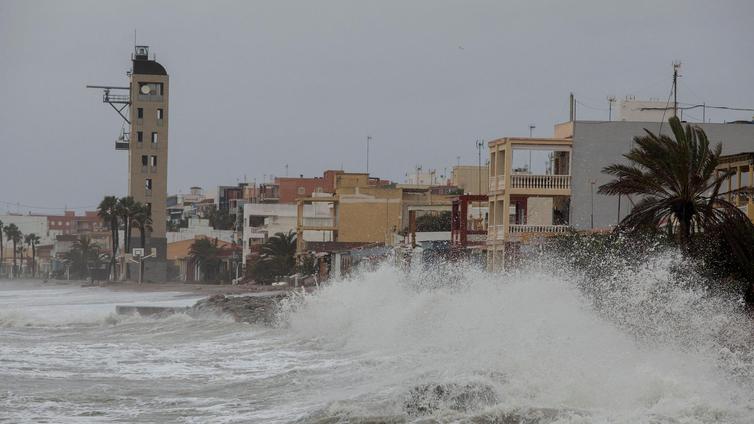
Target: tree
[
  {"x": 15, "y": 236},
  {"x": 434, "y": 222},
  {"x": 220, "y": 219},
  {"x": 83, "y": 255},
  {"x": 33, "y": 240},
  {"x": 676, "y": 181},
  {"x": 108, "y": 212},
  {"x": 206, "y": 254},
  {"x": 126, "y": 208},
  {"x": 280, "y": 252}
]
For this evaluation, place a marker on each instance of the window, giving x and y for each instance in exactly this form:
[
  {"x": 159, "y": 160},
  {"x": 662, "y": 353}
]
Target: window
[
  {"x": 301, "y": 190},
  {"x": 154, "y": 138},
  {"x": 139, "y": 136},
  {"x": 159, "y": 113},
  {"x": 144, "y": 160},
  {"x": 148, "y": 186},
  {"x": 153, "y": 161},
  {"x": 140, "y": 112},
  {"x": 150, "y": 88},
  {"x": 149, "y": 209}
]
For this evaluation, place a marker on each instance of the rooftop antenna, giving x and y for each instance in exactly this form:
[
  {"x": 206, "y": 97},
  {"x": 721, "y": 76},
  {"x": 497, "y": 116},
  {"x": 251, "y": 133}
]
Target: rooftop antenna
[{"x": 610, "y": 101}]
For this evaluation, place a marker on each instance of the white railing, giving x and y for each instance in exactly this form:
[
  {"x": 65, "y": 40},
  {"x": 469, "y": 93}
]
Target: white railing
[
  {"x": 497, "y": 182},
  {"x": 547, "y": 182},
  {"x": 522, "y": 229}
]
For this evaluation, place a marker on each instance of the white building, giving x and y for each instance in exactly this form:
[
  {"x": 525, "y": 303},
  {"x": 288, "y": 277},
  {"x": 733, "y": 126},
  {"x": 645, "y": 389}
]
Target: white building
[
  {"x": 263, "y": 220},
  {"x": 29, "y": 224},
  {"x": 644, "y": 110}
]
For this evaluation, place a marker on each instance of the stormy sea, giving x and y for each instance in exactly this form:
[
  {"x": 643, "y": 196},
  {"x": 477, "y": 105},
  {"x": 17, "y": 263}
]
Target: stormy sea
[{"x": 427, "y": 344}]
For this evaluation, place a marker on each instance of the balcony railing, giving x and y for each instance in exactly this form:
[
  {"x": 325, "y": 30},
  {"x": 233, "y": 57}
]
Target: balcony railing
[
  {"x": 497, "y": 182},
  {"x": 524, "y": 229},
  {"x": 546, "y": 182}
]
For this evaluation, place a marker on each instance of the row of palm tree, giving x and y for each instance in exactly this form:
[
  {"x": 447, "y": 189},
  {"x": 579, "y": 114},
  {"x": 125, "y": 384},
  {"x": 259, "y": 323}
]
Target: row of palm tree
[
  {"x": 124, "y": 213},
  {"x": 12, "y": 233}
]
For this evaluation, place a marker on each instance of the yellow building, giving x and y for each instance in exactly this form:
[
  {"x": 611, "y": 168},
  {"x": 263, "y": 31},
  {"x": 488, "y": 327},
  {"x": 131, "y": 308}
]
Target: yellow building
[
  {"x": 739, "y": 187},
  {"x": 364, "y": 212},
  {"x": 529, "y": 191},
  {"x": 471, "y": 179}
]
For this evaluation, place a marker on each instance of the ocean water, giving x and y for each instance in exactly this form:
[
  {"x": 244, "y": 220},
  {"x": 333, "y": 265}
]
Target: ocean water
[{"x": 446, "y": 344}]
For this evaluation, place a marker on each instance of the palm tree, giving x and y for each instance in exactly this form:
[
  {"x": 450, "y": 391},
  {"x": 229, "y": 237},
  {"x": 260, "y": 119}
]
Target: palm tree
[
  {"x": 83, "y": 253},
  {"x": 676, "y": 181},
  {"x": 2, "y": 257},
  {"x": 127, "y": 208},
  {"x": 206, "y": 254},
  {"x": 108, "y": 212},
  {"x": 280, "y": 252},
  {"x": 33, "y": 240},
  {"x": 14, "y": 235},
  {"x": 142, "y": 220}
]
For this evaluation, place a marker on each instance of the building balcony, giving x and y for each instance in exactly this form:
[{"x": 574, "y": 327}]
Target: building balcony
[
  {"x": 540, "y": 182},
  {"x": 538, "y": 229},
  {"x": 517, "y": 231}
]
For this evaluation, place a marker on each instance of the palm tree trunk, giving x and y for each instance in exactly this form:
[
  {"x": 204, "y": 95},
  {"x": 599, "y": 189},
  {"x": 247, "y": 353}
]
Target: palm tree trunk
[
  {"x": 127, "y": 245},
  {"x": 13, "y": 270},
  {"x": 33, "y": 260}
]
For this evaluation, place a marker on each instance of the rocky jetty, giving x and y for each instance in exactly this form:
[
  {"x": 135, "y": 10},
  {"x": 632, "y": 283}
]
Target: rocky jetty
[
  {"x": 427, "y": 399},
  {"x": 250, "y": 309}
]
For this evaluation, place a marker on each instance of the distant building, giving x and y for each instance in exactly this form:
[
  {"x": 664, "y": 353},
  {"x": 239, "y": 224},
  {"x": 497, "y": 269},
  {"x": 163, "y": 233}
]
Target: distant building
[
  {"x": 739, "y": 187},
  {"x": 471, "y": 179},
  {"x": 644, "y": 110}
]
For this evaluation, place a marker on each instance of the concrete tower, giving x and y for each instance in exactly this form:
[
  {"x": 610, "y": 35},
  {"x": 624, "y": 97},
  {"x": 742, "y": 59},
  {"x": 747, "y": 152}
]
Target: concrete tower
[
  {"x": 146, "y": 98},
  {"x": 148, "y": 153}
]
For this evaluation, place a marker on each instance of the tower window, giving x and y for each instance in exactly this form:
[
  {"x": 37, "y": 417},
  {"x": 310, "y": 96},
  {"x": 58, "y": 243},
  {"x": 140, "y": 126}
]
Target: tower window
[
  {"x": 153, "y": 161},
  {"x": 140, "y": 112},
  {"x": 148, "y": 186},
  {"x": 159, "y": 113},
  {"x": 144, "y": 160},
  {"x": 154, "y": 137},
  {"x": 139, "y": 136}
]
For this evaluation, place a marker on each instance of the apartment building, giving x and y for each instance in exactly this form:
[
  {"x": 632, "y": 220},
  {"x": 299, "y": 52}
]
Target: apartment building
[
  {"x": 364, "y": 211},
  {"x": 739, "y": 187},
  {"x": 529, "y": 191}
]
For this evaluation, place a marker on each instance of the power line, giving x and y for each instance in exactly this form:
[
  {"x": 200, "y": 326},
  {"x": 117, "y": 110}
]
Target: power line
[{"x": 21, "y": 205}]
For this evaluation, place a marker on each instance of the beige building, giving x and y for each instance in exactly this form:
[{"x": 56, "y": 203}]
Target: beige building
[
  {"x": 366, "y": 213},
  {"x": 472, "y": 179},
  {"x": 529, "y": 192},
  {"x": 739, "y": 187}
]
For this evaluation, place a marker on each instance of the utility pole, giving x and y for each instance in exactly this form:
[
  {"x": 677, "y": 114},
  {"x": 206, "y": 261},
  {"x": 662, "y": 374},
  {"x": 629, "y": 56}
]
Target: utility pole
[
  {"x": 610, "y": 101},
  {"x": 592, "y": 214},
  {"x": 531, "y": 129},
  {"x": 676, "y": 66},
  {"x": 369, "y": 138},
  {"x": 286, "y": 169},
  {"x": 479, "y": 144}
]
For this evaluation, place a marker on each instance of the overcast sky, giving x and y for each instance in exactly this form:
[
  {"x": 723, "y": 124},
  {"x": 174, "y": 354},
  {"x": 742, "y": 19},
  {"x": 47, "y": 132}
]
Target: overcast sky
[{"x": 258, "y": 85}]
